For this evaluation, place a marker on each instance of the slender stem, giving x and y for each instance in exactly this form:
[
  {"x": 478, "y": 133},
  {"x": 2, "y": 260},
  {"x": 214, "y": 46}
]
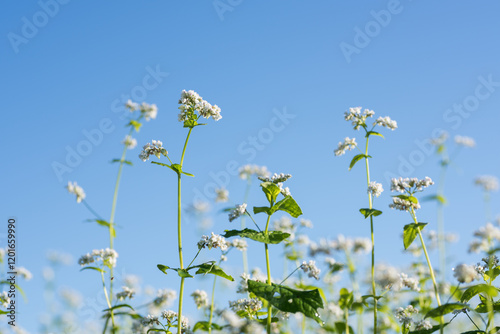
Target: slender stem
[
  {"x": 189, "y": 265},
  {"x": 440, "y": 221},
  {"x": 370, "y": 202},
  {"x": 244, "y": 252},
  {"x": 268, "y": 265},
  {"x": 303, "y": 324},
  {"x": 212, "y": 306},
  {"x": 107, "y": 300},
  {"x": 91, "y": 210},
  {"x": 179, "y": 317},
  {"x": 489, "y": 301}
]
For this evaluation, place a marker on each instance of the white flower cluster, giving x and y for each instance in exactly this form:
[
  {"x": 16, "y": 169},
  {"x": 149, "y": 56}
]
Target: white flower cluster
[
  {"x": 129, "y": 142},
  {"x": 150, "y": 320},
  {"x": 213, "y": 241},
  {"x": 375, "y": 189},
  {"x": 171, "y": 316},
  {"x": 361, "y": 245},
  {"x": 200, "y": 298},
  {"x": 107, "y": 256},
  {"x": 155, "y": 148},
  {"x": 438, "y": 141},
  {"x": 306, "y": 223},
  {"x": 422, "y": 324},
  {"x": 386, "y": 122},
  {"x": 334, "y": 310},
  {"x": 190, "y": 102},
  {"x": 357, "y": 117},
  {"x": 4, "y": 299},
  {"x": 348, "y": 144},
  {"x": 386, "y": 276},
  {"x": 488, "y": 182},
  {"x": 164, "y": 297},
  {"x": 405, "y": 315},
  {"x": 403, "y": 204},
  {"x": 409, "y": 282},
  {"x": 71, "y": 297},
  {"x": 24, "y": 273},
  {"x": 126, "y": 293},
  {"x": 238, "y": 211},
  {"x": 465, "y": 273},
  {"x": 410, "y": 185},
  {"x": 247, "y": 171},
  {"x": 239, "y": 244},
  {"x": 222, "y": 195},
  {"x": 149, "y": 111},
  {"x": 276, "y": 178},
  {"x": 311, "y": 269},
  {"x": 74, "y": 188},
  {"x": 485, "y": 236},
  {"x": 251, "y": 305},
  {"x": 465, "y": 141}
]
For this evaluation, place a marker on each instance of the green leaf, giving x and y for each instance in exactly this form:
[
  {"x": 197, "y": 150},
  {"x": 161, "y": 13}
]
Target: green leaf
[
  {"x": 341, "y": 327},
  {"x": 211, "y": 268},
  {"x": 105, "y": 224},
  {"x": 373, "y": 133},
  {"x": 479, "y": 288},
  {"x": 346, "y": 298},
  {"x": 288, "y": 205},
  {"x": 271, "y": 190},
  {"x": 409, "y": 198},
  {"x": 273, "y": 237},
  {"x": 492, "y": 274},
  {"x": 124, "y": 161},
  {"x": 263, "y": 321},
  {"x": 286, "y": 299},
  {"x": 159, "y": 330},
  {"x": 431, "y": 330},
  {"x": 444, "y": 309},
  {"x": 370, "y": 212},
  {"x": 357, "y": 158},
  {"x": 260, "y": 209},
  {"x": 118, "y": 306},
  {"x": 188, "y": 174},
  {"x": 181, "y": 272},
  {"x": 3, "y": 312},
  {"x": 205, "y": 326},
  {"x": 410, "y": 233},
  {"x": 336, "y": 267},
  {"x": 163, "y": 268},
  {"x": 483, "y": 307},
  {"x": 135, "y": 124},
  {"x": 93, "y": 268}
]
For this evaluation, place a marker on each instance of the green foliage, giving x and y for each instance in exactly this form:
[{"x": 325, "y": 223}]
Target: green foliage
[
  {"x": 205, "y": 326},
  {"x": 357, "y": 158},
  {"x": 271, "y": 191},
  {"x": 105, "y": 224},
  {"x": 373, "y": 133},
  {"x": 203, "y": 269},
  {"x": 410, "y": 232},
  {"x": 93, "y": 268},
  {"x": 175, "y": 167},
  {"x": 118, "y": 306},
  {"x": 137, "y": 125},
  {"x": 124, "y": 161},
  {"x": 479, "y": 288},
  {"x": 286, "y": 299},
  {"x": 429, "y": 331},
  {"x": 370, "y": 212},
  {"x": 272, "y": 237},
  {"x": 445, "y": 309}
]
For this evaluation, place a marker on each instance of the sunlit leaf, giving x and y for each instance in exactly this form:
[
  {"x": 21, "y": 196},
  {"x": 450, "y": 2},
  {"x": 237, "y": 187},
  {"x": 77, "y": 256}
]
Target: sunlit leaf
[{"x": 273, "y": 237}]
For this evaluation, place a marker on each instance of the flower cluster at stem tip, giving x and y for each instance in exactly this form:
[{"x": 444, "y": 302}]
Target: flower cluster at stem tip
[{"x": 190, "y": 102}]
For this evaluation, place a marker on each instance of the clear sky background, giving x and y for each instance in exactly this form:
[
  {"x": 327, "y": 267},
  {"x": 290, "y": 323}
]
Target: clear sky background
[{"x": 67, "y": 68}]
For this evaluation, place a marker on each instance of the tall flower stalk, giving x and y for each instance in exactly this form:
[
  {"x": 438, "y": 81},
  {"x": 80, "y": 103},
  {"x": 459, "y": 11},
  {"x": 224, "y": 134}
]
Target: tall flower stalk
[
  {"x": 358, "y": 119},
  {"x": 192, "y": 108}
]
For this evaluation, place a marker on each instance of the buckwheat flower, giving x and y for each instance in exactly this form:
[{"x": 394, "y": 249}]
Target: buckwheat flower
[
  {"x": 465, "y": 141},
  {"x": 438, "y": 141},
  {"x": 386, "y": 122},
  {"x": 86, "y": 259},
  {"x": 155, "y": 148},
  {"x": 246, "y": 171},
  {"x": 487, "y": 182},
  {"x": 222, "y": 195},
  {"x": 190, "y": 102},
  {"x": 24, "y": 273},
  {"x": 129, "y": 142},
  {"x": 213, "y": 241},
  {"x": 403, "y": 205},
  {"x": 303, "y": 239},
  {"x": 356, "y": 117},
  {"x": 239, "y": 244},
  {"x": 169, "y": 315},
  {"x": 361, "y": 245},
  {"x": 334, "y": 310},
  {"x": 243, "y": 286},
  {"x": 150, "y": 320},
  {"x": 276, "y": 178},
  {"x": 386, "y": 276},
  {"x": 422, "y": 324},
  {"x": 409, "y": 282},
  {"x": 148, "y": 110},
  {"x": 465, "y": 273},
  {"x": 233, "y": 320},
  {"x": 285, "y": 192},
  {"x": 109, "y": 257},
  {"x": 375, "y": 189},
  {"x": 479, "y": 245},
  {"x": 164, "y": 297},
  {"x": 4, "y": 299},
  {"x": 125, "y": 293},
  {"x": 238, "y": 211},
  {"x": 223, "y": 258},
  {"x": 348, "y": 144},
  {"x": 311, "y": 269},
  {"x": 249, "y": 305},
  {"x": 306, "y": 223},
  {"x": 132, "y": 106},
  {"x": 341, "y": 243},
  {"x": 74, "y": 188},
  {"x": 404, "y": 315},
  {"x": 200, "y": 298},
  {"x": 488, "y": 232}
]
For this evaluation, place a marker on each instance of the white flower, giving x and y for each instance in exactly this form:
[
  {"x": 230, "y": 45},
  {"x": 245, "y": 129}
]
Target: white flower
[
  {"x": 306, "y": 223},
  {"x": 200, "y": 298},
  {"x": 164, "y": 297},
  {"x": 348, "y": 144},
  {"x": 311, "y": 269},
  {"x": 488, "y": 232},
  {"x": 488, "y": 182},
  {"x": 150, "y": 320},
  {"x": 405, "y": 315},
  {"x": 214, "y": 241},
  {"x": 238, "y": 211},
  {"x": 129, "y": 142},
  {"x": 465, "y": 141},
  {"x": 341, "y": 243},
  {"x": 132, "y": 105},
  {"x": 361, "y": 245},
  {"x": 148, "y": 110},
  {"x": 276, "y": 178},
  {"x": 303, "y": 239},
  {"x": 465, "y": 273},
  {"x": 222, "y": 195},
  {"x": 386, "y": 122},
  {"x": 239, "y": 244},
  {"x": 408, "y": 185},
  {"x": 190, "y": 102},
  {"x": 246, "y": 171},
  {"x": 403, "y": 205},
  {"x": 334, "y": 309},
  {"x": 423, "y": 324},
  {"x": 126, "y": 293},
  {"x": 74, "y": 188},
  {"x": 249, "y": 305},
  {"x": 155, "y": 148},
  {"x": 375, "y": 189},
  {"x": 409, "y": 282},
  {"x": 356, "y": 117},
  {"x": 4, "y": 299},
  {"x": 107, "y": 256},
  {"x": 199, "y": 207},
  {"x": 24, "y": 273},
  {"x": 386, "y": 276},
  {"x": 438, "y": 141},
  {"x": 286, "y": 192},
  {"x": 169, "y": 315}
]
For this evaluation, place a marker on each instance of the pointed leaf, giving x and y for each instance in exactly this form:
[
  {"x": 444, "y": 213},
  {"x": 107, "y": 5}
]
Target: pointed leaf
[
  {"x": 118, "y": 306},
  {"x": 288, "y": 205},
  {"x": 124, "y": 161},
  {"x": 163, "y": 268},
  {"x": 439, "y": 198},
  {"x": 445, "y": 309},
  {"x": 479, "y": 288},
  {"x": 212, "y": 268},
  {"x": 205, "y": 326},
  {"x": 286, "y": 299},
  {"x": 373, "y": 133},
  {"x": 271, "y": 190},
  {"x": 356, "y": 159},
  {"x": 370, "y": 212},
  {"x": 410, "y": 233},
  {"x": 273, "y": 237},
  {"x": 135, "y": 124},
  {"x": 429, "y": 331},
  {"x": 260, "y": 209},
  {"x": 93, "y": 268}
]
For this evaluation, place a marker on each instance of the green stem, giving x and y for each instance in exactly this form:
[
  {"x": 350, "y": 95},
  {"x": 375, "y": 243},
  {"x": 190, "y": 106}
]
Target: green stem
[
  {"x": 268, "y": 265},
  {"x": 440, "y": 221},
  {"x": 303, "y": 324},
  {"x": 370, "y": 202},
  {"x": 179, "y": 314},
  {"x": 212, "y": 306},
  {"x": 244, "y": 252},
  {"x": 108, "y": 301},
  {"x": 489, "y": 304}
]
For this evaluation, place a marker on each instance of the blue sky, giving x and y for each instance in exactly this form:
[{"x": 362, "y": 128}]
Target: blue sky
[{"x": 68, "y": 67}]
